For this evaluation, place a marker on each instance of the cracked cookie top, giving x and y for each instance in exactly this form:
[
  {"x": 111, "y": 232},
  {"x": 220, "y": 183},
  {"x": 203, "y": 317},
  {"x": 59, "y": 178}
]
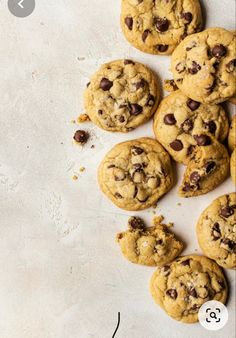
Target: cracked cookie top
[
  {"x": 216, "y": 231},
  {"x": 207, "y": 167},
  {"x": 152, "y": 246},
  {"x": 204, "y": 65},
  {"x": 178, "y": 119},
  {"x": 121, "y": 95},
  {"x": 157, "y": 26},
  {"x": 135, "y": 174},
  {"x": 181, "y": 287}
]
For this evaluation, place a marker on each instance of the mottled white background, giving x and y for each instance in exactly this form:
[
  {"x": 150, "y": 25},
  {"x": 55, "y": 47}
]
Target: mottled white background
[{"x": 61, "y": 273}]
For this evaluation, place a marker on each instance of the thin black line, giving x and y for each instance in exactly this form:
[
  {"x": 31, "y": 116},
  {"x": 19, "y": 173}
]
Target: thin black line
[{"x": 118, "y": 324}]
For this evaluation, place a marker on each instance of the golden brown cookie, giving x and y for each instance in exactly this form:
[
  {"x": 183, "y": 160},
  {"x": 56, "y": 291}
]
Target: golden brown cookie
[
  {"x": 135, "y": 174},
  {"x": 121, "y": 95},
  {"x": 216, "y": 231},
  {"x": 179, "y": 119},
  {"x": 156, "y": 27},
  {"x": 181, "y": 287},
  {"x": 204, "y": 66},
  {"x": 207, "y": 168},
  {"x": 152, "y": 246},
  {"x": 232, "y": 134}
]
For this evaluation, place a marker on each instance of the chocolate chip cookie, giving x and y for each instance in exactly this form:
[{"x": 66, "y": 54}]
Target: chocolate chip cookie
[
  {"x": 121, "y": 96},
  {"x": 233, "y": 166},
  {"x": 135, "y": 174},
  {"x": 232, "y": 134},
  {"x": 152, "y": 246},
  {"x": 181, "y": 287},
  {"x": 216, "y": 231},
  {"x": 156, "y": 27},
  {"x": 178, "y": 119},
  {"x": 207, "y": 167},
  {"x": 204, "y": 65}
]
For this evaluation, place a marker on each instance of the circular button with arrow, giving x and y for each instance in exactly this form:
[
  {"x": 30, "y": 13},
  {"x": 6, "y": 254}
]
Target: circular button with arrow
[{"x": 21, "y": 8}]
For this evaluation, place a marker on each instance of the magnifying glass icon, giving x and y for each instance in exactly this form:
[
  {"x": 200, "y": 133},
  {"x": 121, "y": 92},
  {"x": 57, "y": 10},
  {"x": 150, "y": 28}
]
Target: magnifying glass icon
[{"x": 213, "y": 315}]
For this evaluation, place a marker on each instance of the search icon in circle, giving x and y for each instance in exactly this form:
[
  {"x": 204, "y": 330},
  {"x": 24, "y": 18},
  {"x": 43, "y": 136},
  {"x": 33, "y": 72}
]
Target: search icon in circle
[{"x": 213, "y": 315}]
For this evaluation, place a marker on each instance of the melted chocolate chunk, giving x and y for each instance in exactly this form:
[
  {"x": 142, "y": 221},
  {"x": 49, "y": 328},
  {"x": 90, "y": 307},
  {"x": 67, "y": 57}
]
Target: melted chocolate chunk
[
  {"x": 129, "y": 22},
  {"x": 226, "y": 211},
  {"x": 176, "y": 145},
  {"x": 106, "y": 84},
  {"x": 172, "y": 293},
  {"x": 136, "y": 223},
  {"x": 193, "y": 105},
  {"x": 169, "y": 119},
  {"x": 202, "y": 140}
]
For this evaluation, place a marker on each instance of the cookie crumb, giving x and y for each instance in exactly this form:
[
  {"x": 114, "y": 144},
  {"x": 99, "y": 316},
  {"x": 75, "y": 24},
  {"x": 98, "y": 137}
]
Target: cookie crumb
[
  {"x": 74, "y": 178},
  {"x": 72, "y": 121},
  {"x": 179, "y": 204},
  {"x": 83, "y": 118},
  {"x": 82, "y": 169},
  {"x": 81, "y": 136},
  {"x": 92, "y": 146},
  {"x": 170, "y": 86}
]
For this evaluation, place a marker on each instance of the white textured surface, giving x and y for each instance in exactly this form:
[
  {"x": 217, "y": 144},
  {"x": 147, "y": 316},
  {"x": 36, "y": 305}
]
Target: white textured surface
[{"x": 62, "y": 275}]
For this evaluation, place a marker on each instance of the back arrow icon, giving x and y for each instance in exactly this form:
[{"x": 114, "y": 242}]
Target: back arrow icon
[{"x": 20, "y": 3}]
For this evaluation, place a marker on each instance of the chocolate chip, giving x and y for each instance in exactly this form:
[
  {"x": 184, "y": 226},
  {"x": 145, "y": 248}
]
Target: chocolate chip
[
  {"x": 121, "y": 119},
  {"x": 231, "y": 65},
  {"x": 195, "y": 177},
  {"x": 187, "y": 125},
  {"x": 162, "y": 48},
  {"x": 136, "y": 150},
  {"x": 159, "y": 242},
  {"x": 88, "y": 84},
  {"x": 210, "y": 166},
  {"x": 162, "y": 24},
  {"x": 137, "y": 167},
  {"x": 111, "y": 166},
  {"x": 180, "y": 67},
  {"x": 186, "y": 262},
  {"x": 129, "y": 62},
  {"x": 188, "y": 187},
  {"x": 221, "y": 283},
  {"x": 106, "y": 84},
  {"x": 202, "y": 140},
  {"x": 145, "y": 34},
  {"x": 136, "y": 109},
  {"x": 151, "y": 100},
  {"x": 100, "y": 112},
  {"x": 195, "y": 68},
  {"x": 226, "y": 211},
  {"x": 81, "y": 136},
  {"x": 216, "y": 233},
  {"x": 129, "y": 22},
  {"x": 211, "y": 126},
  {"x": 118, "y": 195},
  {"x": 192, "y": 292},
  {"x": 135, "y": 192},
  {"x": 172, "y": 293},
  {"x": 193, "y": 105},
  {"x": 136, "y": 223},
  {"x": 231, "y": 244},
  {"x": 219, "y": 51},
  {"x": 188, "y": 16},
  {"x": 169, "y": 119},
  {"x": 190, "y": 150},
  {"x": 141, "y": 84},
  {"x": 176, "y": 145}
]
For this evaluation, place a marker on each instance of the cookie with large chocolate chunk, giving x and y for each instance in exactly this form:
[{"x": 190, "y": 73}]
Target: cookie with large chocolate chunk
[
  {"x": 156, "y": 27},
  {"x": 204, "y": 65},
  {"x": 152, "y": 246},
  {"x": 178, "y": 119},
  {"x": 216, "y": 231},
  {"x": 121, "y": 95},
  {"x": 233, "y": 166},
  {"x": 207, "y": 167},
  {"x": 135, "y": 174},
  {"x": 183, "y": 286}
]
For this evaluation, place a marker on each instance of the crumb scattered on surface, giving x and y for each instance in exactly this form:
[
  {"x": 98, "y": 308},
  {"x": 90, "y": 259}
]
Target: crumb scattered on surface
[
  {"x": 81, "y": 136},
  {"x": 82, "y": 169},
  {"x": 179, "y": 204},
  {"x": 81, "y": 58},
  {"x": 74, "y": 177},
  {"x": 83, "y": 118},
  {"x": 72, "y": 121},
  {"x": 92, "y": 146}
]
